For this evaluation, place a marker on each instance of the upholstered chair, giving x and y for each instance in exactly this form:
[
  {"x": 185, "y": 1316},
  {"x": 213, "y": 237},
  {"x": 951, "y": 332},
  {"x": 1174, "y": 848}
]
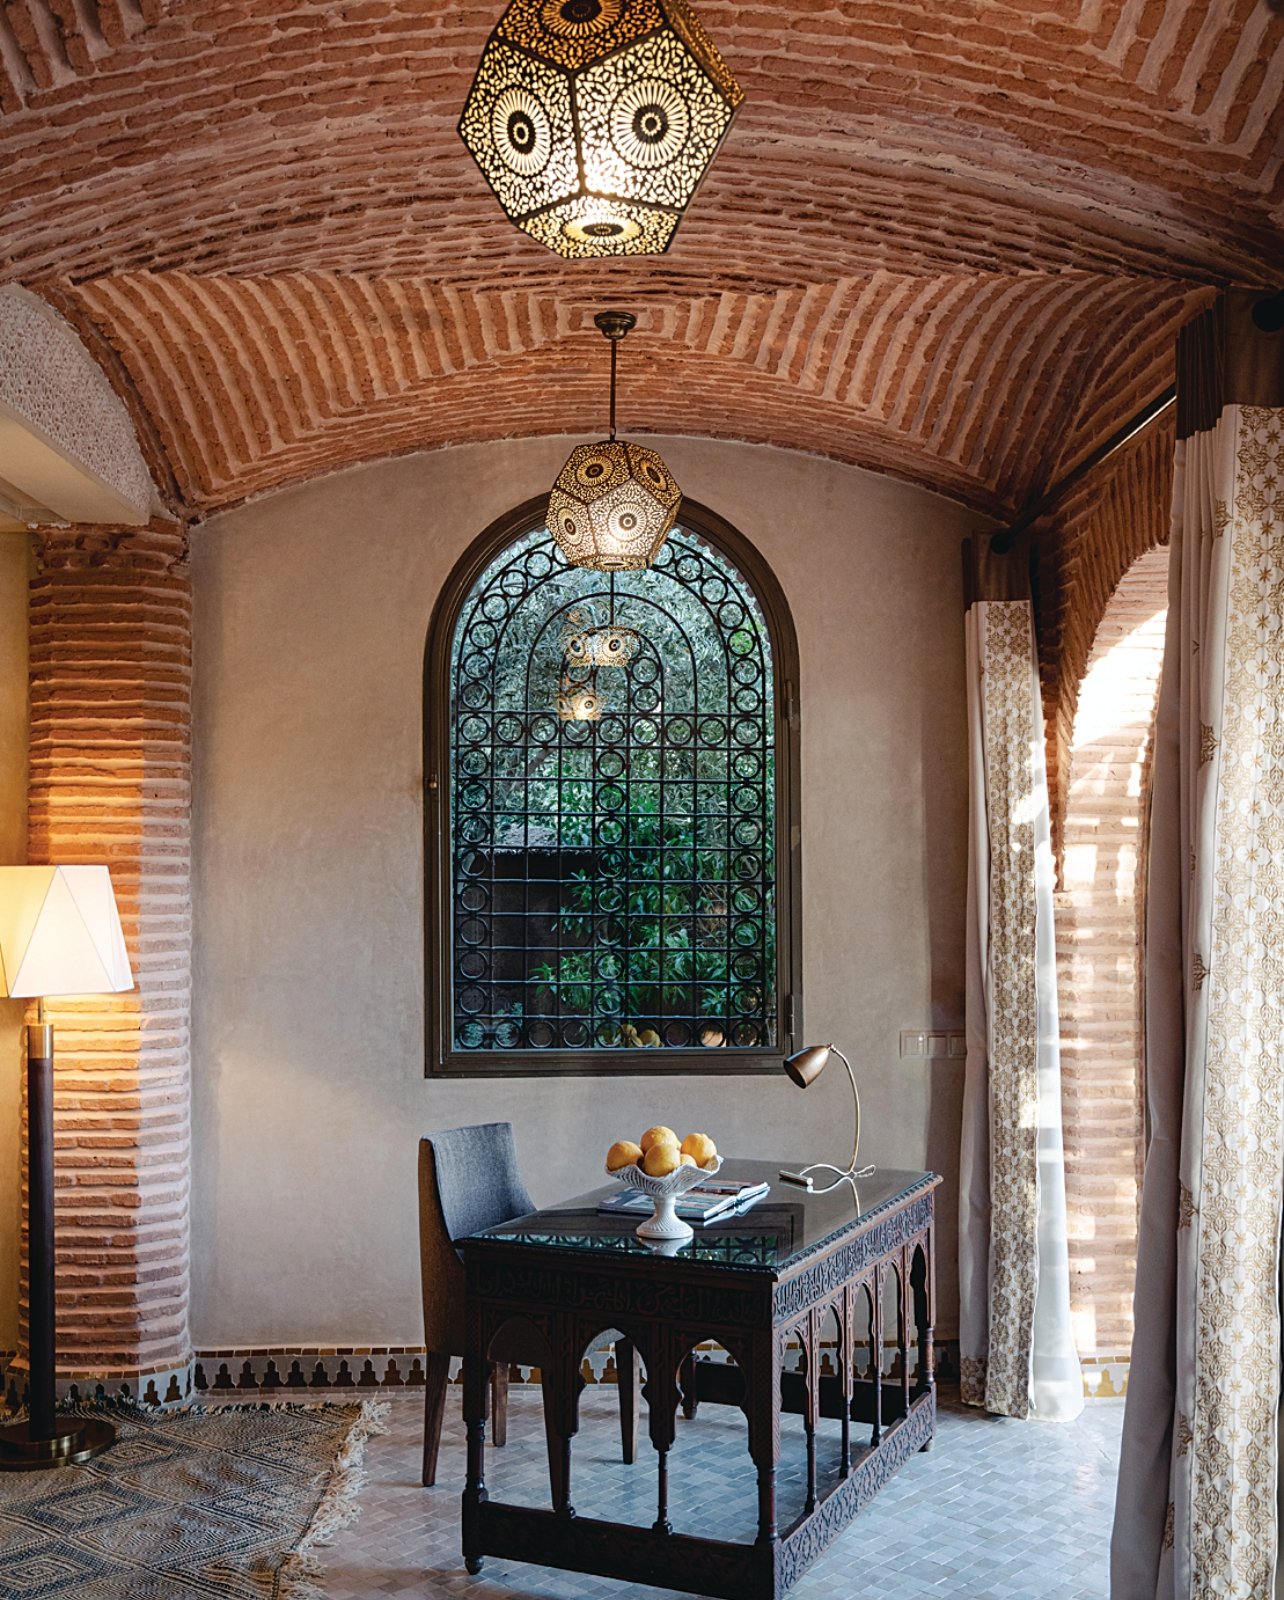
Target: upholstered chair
[{"x": 469, "y": 1180}]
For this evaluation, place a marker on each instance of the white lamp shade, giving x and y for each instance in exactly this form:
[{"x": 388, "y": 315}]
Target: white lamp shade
[{"x": 60, "y": 933}]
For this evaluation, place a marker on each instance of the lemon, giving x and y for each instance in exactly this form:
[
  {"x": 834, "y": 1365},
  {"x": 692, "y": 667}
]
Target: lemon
[
  {"x": 661, "y": 1159},
  {"x": 658, "y": 1135},
  {"x": 623, "y": 1153},
  {"x": 701, "y": 1148}
]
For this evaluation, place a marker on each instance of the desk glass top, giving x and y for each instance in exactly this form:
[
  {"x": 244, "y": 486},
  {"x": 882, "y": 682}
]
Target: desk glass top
[{"x": 778, "y": 1230}]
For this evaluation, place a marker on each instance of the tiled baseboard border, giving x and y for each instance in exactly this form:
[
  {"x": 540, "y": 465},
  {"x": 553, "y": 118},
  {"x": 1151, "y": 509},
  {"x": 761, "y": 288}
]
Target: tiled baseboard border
[
  {"x": 325, "y": 1369},
  {"x": 402, "y": 1366},
  {"x": 263, "y": 1371},
  {"x": 1105, "y": 1378},
  {"x": 154, "y": 1387}
]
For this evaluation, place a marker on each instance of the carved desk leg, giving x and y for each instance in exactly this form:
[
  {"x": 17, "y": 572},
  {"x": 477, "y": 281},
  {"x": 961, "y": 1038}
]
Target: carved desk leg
[
  {"x": 809, "y": 1332},
  {"x": 923, "y": 1280},
  {"x": 846, "y": 1311},
  {"x": 762, "y": 1405},
  {"x": 902, "y": 1326},
  {"x": 562, "y": 1384},
  {"x": 664, "y": 1353},
  {"x": 626, "y": 1375},
  {"x": 499, "y": 1404},
  {"x": 876, "y": 1355},
  {"x": 476, "y": 1380}
]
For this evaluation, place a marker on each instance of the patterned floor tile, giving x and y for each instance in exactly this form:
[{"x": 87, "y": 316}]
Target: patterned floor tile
[{"x": 998, "y": 1510}]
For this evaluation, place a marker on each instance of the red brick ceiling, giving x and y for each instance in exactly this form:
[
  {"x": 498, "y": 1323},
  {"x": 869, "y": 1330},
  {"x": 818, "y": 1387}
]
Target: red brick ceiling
[{"x": 953, "y": 244}]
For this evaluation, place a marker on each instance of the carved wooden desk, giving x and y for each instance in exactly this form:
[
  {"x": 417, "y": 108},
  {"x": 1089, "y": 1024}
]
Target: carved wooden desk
[{"x": 758, "y": 1285}]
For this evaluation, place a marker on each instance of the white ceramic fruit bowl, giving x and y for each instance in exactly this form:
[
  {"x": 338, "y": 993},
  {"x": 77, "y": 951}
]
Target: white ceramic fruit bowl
[{"x": 664, "y": 1221}]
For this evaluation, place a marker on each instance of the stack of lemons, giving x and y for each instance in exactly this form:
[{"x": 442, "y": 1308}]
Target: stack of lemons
[{"x": 659, "y": 1153}]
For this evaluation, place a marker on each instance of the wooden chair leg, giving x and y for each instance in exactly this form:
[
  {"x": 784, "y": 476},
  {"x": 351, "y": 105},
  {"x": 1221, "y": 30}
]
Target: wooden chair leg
[
  {"x": 499, "y": 1403},
  {"x": 436, "y": 1379},
  {"x": 626, "y": 1370}
]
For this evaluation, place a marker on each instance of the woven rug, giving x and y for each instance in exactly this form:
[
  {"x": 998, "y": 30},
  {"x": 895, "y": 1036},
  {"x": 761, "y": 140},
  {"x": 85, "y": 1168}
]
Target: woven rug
[{"x": 189, "y": 1504}]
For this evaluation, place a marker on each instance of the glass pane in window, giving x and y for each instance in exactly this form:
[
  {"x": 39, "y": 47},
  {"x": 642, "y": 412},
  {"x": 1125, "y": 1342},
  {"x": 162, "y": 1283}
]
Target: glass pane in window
[{"x": 613, "y": 826}]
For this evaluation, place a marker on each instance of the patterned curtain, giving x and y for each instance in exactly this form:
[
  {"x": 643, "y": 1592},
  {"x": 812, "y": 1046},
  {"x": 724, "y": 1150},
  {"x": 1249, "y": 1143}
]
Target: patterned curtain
[
  {"x": 1018, "y": 1357},
  {"x": 1196, "y": 1511}
]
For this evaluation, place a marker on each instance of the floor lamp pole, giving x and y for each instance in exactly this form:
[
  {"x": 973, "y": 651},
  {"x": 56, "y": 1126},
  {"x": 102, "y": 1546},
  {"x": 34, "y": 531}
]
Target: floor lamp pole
[
  {"x": 44, "y": 1439},
  {"x": 41, "y": 1344}
]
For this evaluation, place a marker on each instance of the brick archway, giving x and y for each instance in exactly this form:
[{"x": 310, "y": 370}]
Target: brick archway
[{"x": 1099, "y": 922}]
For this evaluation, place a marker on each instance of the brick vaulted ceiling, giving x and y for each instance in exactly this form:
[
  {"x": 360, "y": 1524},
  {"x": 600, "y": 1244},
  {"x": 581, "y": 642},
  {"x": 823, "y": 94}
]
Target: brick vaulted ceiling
[{"x": 953, "y": 244}]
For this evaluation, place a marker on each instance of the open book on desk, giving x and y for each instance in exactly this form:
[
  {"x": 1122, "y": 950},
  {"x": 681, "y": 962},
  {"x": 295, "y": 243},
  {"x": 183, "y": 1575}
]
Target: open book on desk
[{"x": 712, "y": 1201}]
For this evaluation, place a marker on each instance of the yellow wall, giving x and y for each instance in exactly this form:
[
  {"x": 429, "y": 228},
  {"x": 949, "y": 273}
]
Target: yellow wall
[{"x": 312, "y": 608}]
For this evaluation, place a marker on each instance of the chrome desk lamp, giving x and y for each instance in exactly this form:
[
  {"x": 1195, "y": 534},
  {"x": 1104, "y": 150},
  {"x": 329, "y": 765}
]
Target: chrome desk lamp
[{"x": 804, "y": 1067}]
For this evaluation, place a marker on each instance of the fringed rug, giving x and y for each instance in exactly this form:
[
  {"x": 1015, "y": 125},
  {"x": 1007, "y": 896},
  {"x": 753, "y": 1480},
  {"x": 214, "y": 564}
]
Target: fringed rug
[{"x": 189, "y": 1504}]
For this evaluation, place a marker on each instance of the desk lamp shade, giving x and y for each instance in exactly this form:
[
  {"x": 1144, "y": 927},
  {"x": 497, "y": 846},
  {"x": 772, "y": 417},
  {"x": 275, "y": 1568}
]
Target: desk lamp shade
[
  {"x": 59, "y": 934},
  {"x": 807, "y": 1065}
]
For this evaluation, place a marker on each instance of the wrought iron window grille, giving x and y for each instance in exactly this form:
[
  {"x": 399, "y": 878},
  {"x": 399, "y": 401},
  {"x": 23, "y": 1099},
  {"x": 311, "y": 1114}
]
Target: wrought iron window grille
[{"x": 611, "y": 775}]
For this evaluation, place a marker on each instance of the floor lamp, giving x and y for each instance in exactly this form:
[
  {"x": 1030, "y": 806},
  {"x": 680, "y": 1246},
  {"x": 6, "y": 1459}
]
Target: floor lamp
[{"x": 60, "y": 934}]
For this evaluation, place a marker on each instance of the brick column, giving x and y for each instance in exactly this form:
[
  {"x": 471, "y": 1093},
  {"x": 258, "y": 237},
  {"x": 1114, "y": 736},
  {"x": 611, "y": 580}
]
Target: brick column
[{"x": 110, "y": 781}]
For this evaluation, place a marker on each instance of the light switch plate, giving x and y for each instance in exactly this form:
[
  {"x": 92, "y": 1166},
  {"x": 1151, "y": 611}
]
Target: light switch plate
[{"x": 913, "y": 1044}]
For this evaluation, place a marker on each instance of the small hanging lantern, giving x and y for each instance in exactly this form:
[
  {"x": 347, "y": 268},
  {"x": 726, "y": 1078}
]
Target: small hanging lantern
[
  {"x": 594, "y": 120},
  {"x": 614, "y": 502},
  {"x": 602, "y": 647},
  {"x": 578, "y": 702}
]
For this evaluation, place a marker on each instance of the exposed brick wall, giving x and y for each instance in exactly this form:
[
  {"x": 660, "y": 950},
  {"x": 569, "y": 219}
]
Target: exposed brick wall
[
  {"x": 110, "y": 779},
  {"x": 1082, "y": 551},
  {"x": 1098, "y": 919},
  {"x": 952, "y": 247},
  {"x": 1126, "y": 134},
  {"x": 963, "y": 381}
]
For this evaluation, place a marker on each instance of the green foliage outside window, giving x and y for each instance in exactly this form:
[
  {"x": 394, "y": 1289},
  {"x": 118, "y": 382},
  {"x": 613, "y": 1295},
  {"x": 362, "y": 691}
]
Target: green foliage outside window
[{"x": 614, "y": 879}]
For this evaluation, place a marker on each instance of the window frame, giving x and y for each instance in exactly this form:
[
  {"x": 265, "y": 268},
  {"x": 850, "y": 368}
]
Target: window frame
[{"x": 442, "y": 1058}]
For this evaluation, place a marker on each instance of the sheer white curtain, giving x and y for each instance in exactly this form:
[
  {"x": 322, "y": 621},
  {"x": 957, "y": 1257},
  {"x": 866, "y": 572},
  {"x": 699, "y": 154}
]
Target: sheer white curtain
[
  {"x": 1018, "y": 1357},
  {"x": 1196, "y": 1512}
]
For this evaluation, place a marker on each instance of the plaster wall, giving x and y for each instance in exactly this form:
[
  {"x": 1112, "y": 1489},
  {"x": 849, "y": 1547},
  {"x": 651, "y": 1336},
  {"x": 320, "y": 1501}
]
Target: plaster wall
[
  {"x": 15, "y": 558},
  {"x": 312, "y": 612}
]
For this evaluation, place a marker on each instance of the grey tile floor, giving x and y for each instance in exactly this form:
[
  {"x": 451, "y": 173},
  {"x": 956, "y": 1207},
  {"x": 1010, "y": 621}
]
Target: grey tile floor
[{"x": 998, "y": 1510}]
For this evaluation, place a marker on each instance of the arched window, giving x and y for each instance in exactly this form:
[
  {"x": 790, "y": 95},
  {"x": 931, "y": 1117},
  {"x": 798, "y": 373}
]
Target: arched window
[{"x": 611, "y": 784}]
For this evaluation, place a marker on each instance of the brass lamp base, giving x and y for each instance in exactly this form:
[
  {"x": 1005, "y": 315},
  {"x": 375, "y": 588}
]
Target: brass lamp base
[{"x": 75, "y": 1439}]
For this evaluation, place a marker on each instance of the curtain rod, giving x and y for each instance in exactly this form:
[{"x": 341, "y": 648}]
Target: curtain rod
[
  {"x": 1002, "y": 541},
  {"x": 1268, "y": 314}
]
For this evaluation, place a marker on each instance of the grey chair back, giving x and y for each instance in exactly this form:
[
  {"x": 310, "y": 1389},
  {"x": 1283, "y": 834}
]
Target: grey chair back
[
  {"x": 468, "y": 1180},
  {"x": 478, "y": 1183}
]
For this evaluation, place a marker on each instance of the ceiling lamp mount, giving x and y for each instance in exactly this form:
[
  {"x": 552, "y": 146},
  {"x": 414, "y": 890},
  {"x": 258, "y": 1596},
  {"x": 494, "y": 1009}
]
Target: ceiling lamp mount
[
  {"x": 615, "y": 324},
  {"x": 614, "y": 502},
  {"x": 595, "y": 120}
]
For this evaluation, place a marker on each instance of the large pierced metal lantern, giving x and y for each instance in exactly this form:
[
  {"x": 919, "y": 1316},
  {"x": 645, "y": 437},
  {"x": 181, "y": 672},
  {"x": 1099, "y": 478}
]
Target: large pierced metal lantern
[
  {"x": 594, "y": 120},
  {"x": 614, "y": 502}
]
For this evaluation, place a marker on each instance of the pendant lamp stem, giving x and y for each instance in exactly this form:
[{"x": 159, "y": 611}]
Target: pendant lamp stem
[
  {"x": 613, "y": 325},
  {"x": 615, "y": 350}
]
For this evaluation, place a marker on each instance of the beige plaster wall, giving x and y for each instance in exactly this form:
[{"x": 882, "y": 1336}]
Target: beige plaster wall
[
  {"x": 312, "y": 611},
  {"x": 15, "y": 556}
]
